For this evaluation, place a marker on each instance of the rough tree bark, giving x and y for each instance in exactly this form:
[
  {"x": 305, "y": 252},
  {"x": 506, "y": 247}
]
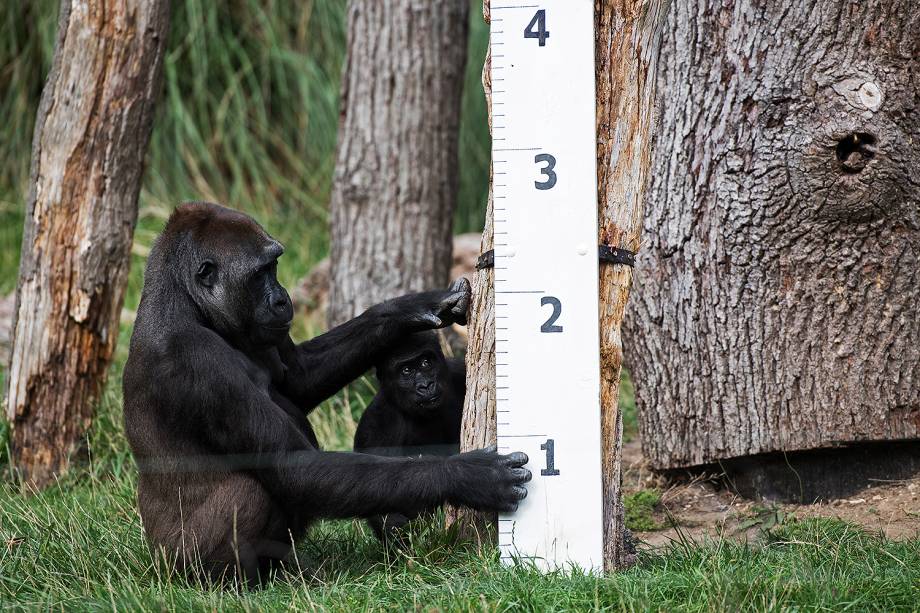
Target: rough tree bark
[
  {"x": 778, "y": 297},
  {"x": 479, "y": 428},
  {"x": 395, "y": 183},
  {"x": 627, "y": 36},
  {"x": 626, "y": 48},
  {"x": 91, "y": 136}
]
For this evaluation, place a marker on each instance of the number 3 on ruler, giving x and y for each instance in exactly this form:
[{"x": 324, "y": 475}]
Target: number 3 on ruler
[
  {"x": 550, "y": 448},
  {"x": 546, "y": 170},
  {"x": 541, "y": 34}
]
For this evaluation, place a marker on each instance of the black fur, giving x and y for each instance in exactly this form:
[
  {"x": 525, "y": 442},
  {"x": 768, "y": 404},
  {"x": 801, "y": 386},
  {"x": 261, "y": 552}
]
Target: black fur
[
  {"x": 417, "y": 411},
  {"x": 216, "y": 397}
]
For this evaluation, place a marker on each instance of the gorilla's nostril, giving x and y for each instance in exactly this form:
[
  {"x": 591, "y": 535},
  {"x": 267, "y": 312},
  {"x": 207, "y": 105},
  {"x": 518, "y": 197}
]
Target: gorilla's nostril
[{"x": 855, "y": 151}]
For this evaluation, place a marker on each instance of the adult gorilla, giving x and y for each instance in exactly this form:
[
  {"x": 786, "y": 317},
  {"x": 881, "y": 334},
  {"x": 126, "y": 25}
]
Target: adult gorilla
[{"x": 216, "y": 400}]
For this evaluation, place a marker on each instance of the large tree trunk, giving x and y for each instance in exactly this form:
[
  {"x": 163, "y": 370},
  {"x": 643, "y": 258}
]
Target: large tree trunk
[
  {"x": 626, "y": 48},
  {"x": 778, "y": 297},
  {"x": 395, "y": 184},
  {"x": 88, "y": 151}
]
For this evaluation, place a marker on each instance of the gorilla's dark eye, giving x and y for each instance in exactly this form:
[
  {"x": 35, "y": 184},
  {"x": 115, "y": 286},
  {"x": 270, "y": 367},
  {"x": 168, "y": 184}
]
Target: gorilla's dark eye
[
  {"x": 425, "y": 363},
  {"x": 207, "y": 273},
  {"x": 406, "y": 370}
]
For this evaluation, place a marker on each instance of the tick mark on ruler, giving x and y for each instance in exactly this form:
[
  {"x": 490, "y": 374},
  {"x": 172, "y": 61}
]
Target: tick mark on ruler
[
  {"x": 519, "y": 149},
  {"x": 523, "y": 435}
]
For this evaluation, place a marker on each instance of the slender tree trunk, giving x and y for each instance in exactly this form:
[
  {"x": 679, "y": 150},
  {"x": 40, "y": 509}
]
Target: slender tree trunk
[
  {"x": 479, "y": 428},
  {"x": 626, "y": 48},
  {"x": 778, "y": 304},
  {"x": 395, "y": 184},
  {"x": 627, "y": 40},
  {"x": 88, "y": 151}
]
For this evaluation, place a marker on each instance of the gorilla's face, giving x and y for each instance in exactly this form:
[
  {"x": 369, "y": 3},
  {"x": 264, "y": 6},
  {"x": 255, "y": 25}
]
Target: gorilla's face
[
  {"x": 272, "y": 310},
  {"x": 413, "y": 375},
  {"x": 236, "y": 285}
]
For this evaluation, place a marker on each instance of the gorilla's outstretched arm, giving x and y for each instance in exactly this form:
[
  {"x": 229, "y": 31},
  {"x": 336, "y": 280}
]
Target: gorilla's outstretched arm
[{"x": 245, "y": 431}]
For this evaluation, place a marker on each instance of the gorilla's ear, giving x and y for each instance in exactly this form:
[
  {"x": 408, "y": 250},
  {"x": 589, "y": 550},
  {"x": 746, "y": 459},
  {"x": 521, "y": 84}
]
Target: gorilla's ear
[{"x": 207, "y": 273}]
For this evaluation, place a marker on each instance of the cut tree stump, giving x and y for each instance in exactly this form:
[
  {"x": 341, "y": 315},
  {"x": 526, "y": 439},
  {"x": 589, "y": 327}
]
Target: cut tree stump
[{"x": 778, "y": 299}]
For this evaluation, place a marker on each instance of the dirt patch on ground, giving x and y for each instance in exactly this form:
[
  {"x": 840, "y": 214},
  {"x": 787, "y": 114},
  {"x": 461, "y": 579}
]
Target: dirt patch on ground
[{"x": 704, "y": 510}]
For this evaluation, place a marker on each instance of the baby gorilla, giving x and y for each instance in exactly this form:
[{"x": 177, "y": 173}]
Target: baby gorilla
[{"x": 416, "y": 412}]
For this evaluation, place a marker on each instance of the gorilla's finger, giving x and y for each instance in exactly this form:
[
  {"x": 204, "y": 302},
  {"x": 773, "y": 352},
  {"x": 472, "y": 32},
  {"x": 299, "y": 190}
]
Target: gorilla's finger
[
  {"x": 448, "y": 304},
  {"x": 521, "y": 475},
  {"x": 519, "y": 492},
  {"x": 517, "y": 459},
  {"x": 490, "y": 449},
  {"x": 459, "y": 285},
  {"x": 460, "y": 310},
  {"x": 431, "y": 319}
]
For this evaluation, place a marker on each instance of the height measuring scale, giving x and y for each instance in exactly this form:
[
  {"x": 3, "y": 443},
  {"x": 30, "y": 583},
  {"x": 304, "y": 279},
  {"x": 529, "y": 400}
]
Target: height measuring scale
[{"x": 546, "y": 276}]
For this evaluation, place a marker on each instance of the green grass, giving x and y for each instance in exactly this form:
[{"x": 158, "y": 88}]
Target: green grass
[
  {"x": 248, "y": 117},
  {"x": 79, "y": 546}
]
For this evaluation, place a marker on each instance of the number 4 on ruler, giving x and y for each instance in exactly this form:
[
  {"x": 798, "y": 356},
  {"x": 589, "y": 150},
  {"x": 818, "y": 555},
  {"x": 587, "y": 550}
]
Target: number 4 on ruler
[{"x": 541, "y": 34}]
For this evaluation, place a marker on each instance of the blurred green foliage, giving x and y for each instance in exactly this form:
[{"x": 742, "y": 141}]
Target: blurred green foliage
[{"x": 248, "y": 117}]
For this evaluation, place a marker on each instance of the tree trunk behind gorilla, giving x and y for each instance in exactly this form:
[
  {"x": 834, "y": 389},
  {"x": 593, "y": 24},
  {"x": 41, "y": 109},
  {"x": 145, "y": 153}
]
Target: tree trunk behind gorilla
[
  {"x": 395, "y": 185},
  {"x": 777, "y": 304},
  {"x": 88, "y": 151}
]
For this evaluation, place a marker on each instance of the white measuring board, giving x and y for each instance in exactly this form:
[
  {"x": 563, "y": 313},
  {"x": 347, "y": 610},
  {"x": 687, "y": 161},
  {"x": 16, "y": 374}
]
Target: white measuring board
[{"x": 546, "y": 276}]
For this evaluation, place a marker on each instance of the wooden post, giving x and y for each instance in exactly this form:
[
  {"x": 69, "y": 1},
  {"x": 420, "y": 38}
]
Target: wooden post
[
  {"x": 626, "y": 49},
  {"x": 88, "y": 152}
]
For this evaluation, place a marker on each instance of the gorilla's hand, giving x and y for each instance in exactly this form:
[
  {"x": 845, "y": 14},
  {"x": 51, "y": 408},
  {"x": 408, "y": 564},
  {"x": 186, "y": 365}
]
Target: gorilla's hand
[
  {"x": 438, "y": 309},
  {"x": 487, "y": 481},
  {"x": 456, "y": 303}
]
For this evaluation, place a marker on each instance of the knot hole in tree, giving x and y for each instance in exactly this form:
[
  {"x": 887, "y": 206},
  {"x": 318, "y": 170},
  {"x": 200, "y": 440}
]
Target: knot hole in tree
[{"x": 855, "y": 151}]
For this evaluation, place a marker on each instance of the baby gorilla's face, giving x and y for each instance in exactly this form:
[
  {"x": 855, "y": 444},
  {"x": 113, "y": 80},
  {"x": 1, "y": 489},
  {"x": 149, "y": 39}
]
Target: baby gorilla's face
[
  {"x": 419, "y": 376},
  {"x": 414, "y": 377}
]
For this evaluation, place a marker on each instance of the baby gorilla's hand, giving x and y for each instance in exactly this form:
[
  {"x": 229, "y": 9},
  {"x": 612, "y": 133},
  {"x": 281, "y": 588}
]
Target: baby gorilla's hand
[{"x": 487, "y": 481}]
